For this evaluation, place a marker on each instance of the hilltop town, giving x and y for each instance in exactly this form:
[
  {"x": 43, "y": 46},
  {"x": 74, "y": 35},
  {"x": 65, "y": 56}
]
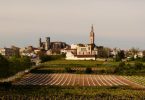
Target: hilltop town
[{"x": 80, "y": 51}]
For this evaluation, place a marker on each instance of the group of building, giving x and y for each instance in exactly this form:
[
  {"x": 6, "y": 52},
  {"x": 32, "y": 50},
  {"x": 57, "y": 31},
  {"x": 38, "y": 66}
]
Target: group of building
[{"x": 73, "y": 52}]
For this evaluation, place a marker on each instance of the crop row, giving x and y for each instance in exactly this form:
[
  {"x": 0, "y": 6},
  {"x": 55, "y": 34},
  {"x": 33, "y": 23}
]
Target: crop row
[{"x": 75, "y": 80}]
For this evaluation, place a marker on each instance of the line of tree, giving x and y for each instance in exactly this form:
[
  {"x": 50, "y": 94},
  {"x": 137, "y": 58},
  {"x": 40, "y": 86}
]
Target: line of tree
[
  {"x": 130, "y": 69},
  {"x": 12, "y": 65},
  {"x": 45, "y": 58}
]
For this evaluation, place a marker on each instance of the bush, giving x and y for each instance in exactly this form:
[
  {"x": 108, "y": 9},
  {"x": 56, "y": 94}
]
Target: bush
[
  {"x": 138, "y": 66},
  {"x": 4, "y": 63},
  {"x": 128, "y": 69},
  {"x": 68, "y": 70},
  {"x": 120, "y": 67},
  {"x": 11, "y": 66},
  {"x": 45, "y": 58},
  {"x": 4, "y": 67},
  {"x": 88, "y": 70},
  {"x": 143, "y": 58},
  {"x": 6, "y": 85}
]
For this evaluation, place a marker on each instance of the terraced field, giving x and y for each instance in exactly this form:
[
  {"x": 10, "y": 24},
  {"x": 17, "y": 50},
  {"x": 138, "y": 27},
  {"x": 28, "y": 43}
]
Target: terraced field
[{"x": 75, "y": 80}]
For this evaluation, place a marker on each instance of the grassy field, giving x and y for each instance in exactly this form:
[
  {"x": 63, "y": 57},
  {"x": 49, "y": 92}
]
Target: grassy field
[
  {"x": 85, "y": 63},
  {"x": 77, "y": 62},
  {"x": 59, "y": 66}
]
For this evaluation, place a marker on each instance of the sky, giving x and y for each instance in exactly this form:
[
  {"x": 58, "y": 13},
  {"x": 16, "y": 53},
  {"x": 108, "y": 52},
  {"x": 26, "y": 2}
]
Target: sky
[{"x": 117, "y": 23}]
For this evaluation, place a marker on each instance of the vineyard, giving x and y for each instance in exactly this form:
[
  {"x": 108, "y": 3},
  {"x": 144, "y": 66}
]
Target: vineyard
[
  {"x": 75, "y": 80},
  {"x": 137, "y": 79},
  {"x": 70, "y": 93}
]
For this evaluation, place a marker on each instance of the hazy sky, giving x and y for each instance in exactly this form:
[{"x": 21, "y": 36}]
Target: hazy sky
[{"x": 117, "y": 23}]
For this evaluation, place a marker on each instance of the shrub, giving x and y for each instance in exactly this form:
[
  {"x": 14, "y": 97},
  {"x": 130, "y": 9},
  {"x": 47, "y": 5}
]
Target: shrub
[
  {"x": 68, "y": 70},
  {"x": 4, "y": 63},
  {"x": 138, "y": 66},
  {"x": 4, "y": 67},
  {"x": 45, "y": 58},
  {"x": 88, "y": 70},
  {"x": 13, "y": 65},
  {"x": 6, "y": 85},
  {"x": 143, "y": 59},
  {"x": 120, "y": 67}
]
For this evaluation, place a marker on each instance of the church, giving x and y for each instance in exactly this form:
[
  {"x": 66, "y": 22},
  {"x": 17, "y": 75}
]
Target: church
[
  {"x": 52, "y": 47},
  {"x": 83, "y": 51}
]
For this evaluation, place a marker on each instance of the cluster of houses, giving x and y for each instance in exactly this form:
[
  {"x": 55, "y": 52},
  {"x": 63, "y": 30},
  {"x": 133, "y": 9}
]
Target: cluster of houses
[{"x": 73, "y": 52}]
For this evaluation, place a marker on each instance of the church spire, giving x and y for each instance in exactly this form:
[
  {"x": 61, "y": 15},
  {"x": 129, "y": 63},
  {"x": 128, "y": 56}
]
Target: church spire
[
  {"x": 92, "y": 28},
  {"x": 92, "y": 35}
]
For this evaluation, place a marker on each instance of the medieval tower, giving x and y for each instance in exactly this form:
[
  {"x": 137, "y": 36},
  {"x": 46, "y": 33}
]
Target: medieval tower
[{"x": 47, "y": 43}]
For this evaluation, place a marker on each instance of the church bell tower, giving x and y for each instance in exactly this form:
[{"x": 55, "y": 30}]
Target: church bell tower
[{"x": 92, "y": 36}]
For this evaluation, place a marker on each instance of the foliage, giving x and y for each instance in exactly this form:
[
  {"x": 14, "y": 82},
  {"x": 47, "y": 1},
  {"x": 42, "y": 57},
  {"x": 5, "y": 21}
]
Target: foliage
[
  {"x": 105, "y": 53},
  {"x": 120, "y": 67},
  {"x": 70, "y": 93},
  {"x": 13, "y": 65},
  {"x": 134, "y": 50},
  {"x": 120, "y": 55},
  {"x": 68, "y": 70},
  {"x": 76, "y": 63},
  {"x": 3, "y": 61},
  {"x": 6, "y": 85},
  {"x": 45, "y": 58},
  {"x": 20, "y": 61},
  {"x": 138, "y": 66},
  {"x": 143, "y": 59},
  {"x": 88, "y": 70},
  {"x": 130, "y": 69},
  {"x": 4, "y": 66}
]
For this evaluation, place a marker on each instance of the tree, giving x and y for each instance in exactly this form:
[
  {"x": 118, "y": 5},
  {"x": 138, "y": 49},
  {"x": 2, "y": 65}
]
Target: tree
[
  {"x": 4, "y": 66},
  {"x": 138, "y": 66},
  {"x": 120, "y": 68},
  {"x": 20, "y": 61},
  {"x": 25, "y": 61},
  {"x": 106, "y": 52},
  {"x": 134, "y": 50},
  {"x": 120, "y": 55},
  {"x": 88, "y": 70},
  {"x": 3, "y": 61},
  {"x": 143, "y": 53}
]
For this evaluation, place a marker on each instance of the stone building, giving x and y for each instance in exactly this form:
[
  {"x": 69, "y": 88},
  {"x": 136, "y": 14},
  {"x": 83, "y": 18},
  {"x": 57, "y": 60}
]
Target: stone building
[
  {"x": 83, "y": 51},
  {"x": 13, "y": 51},
  {"x": 52, "y": 47}
]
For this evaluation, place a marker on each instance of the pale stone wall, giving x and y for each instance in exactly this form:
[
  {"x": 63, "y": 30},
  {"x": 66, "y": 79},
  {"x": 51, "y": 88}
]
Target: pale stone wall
[{"x": 70, "y": 56}]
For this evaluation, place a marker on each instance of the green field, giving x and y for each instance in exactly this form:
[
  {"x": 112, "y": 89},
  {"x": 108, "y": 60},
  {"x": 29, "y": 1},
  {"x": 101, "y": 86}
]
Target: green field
[
  {"x": 98, "y": 67},
  {"x": 81, "y": 63},
  {"x": 59, "y": 66}
]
